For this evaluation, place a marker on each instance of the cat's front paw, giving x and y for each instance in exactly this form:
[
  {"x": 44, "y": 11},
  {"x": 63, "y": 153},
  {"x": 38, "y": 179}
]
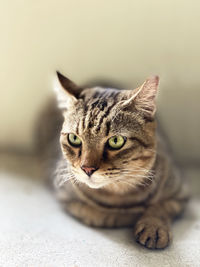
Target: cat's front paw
[{"x": 152, "y": 233}]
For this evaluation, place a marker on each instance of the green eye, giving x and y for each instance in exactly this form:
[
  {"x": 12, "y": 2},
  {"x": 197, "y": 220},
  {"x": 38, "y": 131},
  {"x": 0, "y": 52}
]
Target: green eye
[
  {"x": 74, "y": 140},
  {"x": 116, "y": 142}
]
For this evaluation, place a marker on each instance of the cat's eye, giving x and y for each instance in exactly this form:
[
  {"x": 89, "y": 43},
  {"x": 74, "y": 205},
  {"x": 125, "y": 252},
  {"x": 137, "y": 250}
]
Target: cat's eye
[
  {"x": 116, "y": 142},
  {"x": 74, "y": 140}
]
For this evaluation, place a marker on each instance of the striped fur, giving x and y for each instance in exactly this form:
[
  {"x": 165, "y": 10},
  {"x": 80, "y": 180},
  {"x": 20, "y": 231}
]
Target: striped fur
[{"x": 136, "y": 185}]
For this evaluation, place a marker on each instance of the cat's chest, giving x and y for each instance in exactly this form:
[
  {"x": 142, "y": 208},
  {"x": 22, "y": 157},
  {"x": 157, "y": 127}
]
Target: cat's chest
[{"x": 130, "y": 202}]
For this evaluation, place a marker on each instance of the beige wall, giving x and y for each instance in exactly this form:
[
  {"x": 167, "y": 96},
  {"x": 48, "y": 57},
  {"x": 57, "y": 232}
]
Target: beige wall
[{"x": 121, "y": 40}]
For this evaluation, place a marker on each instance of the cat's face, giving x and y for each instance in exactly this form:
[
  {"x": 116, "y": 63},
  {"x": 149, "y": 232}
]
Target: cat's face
[{"x": 108, "y": 135}]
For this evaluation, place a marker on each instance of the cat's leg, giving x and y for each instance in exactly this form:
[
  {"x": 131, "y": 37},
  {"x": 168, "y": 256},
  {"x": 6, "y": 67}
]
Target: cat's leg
[
  {"x": 153, "y": 229},
  {"x": 95, "y": 217}
]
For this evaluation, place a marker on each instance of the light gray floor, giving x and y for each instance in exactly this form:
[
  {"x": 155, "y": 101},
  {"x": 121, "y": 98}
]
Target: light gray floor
[{"x": 35, "y": 232}]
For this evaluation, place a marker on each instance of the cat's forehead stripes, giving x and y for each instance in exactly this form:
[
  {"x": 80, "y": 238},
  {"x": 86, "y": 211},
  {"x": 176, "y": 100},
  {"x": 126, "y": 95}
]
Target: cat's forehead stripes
[
  {"x": 102, "y": 119},
  {"x": 97, "y": 108},
  {"x": 97, "y": 115}
]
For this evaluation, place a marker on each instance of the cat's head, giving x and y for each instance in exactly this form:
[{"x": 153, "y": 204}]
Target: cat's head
[{"x": 108, "y": 135}]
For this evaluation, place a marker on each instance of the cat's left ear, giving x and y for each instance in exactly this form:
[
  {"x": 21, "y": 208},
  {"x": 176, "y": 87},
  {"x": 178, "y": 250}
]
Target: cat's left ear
[
  {"x": 67, "y": 91},
  {"x": 143, "y": 98}
]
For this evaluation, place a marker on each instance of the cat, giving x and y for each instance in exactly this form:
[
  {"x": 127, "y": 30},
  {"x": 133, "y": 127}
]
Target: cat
[{"x": 114, "y": 169}]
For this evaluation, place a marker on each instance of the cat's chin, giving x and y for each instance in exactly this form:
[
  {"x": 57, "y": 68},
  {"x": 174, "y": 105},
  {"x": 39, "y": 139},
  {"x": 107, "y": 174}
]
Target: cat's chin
[
  {"x": 94, "y": 185},
  {"x": 91, "y": 183}
]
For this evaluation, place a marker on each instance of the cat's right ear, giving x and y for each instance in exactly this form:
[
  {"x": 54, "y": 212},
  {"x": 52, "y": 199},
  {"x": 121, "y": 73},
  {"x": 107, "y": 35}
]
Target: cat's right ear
[{"x": 67, "y": 92}]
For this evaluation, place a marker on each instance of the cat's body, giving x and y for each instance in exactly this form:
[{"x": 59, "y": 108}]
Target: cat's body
[{"x": 114, "y": 170}]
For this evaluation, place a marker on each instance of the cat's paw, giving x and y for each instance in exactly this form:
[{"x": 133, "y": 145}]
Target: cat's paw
[{"x": 152, "y": 233}]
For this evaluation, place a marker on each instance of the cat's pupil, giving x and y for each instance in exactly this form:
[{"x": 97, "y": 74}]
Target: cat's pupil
[
  {"x": 74, "y": 137},
  {"x": 115, "y": 140}
]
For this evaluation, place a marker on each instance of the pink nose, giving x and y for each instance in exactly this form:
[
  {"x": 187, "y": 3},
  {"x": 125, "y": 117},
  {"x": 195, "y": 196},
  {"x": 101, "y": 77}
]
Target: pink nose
[{"x": 88, "y": 170}]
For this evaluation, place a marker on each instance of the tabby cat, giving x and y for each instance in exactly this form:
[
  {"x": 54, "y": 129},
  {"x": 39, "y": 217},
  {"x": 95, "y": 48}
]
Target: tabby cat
[{"x": 114, "y": 169}]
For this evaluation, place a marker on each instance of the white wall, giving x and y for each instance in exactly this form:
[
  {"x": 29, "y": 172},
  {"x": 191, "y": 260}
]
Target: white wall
[{"x": 121, "y": 40}]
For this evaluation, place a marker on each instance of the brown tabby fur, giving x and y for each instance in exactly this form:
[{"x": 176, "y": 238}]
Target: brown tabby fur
[{"x": 133, "y": 186}]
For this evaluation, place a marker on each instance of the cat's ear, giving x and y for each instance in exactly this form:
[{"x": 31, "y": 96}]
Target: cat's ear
[
  {"x": 143, "y": 98},
  {"x": 67, "y": 92}
]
